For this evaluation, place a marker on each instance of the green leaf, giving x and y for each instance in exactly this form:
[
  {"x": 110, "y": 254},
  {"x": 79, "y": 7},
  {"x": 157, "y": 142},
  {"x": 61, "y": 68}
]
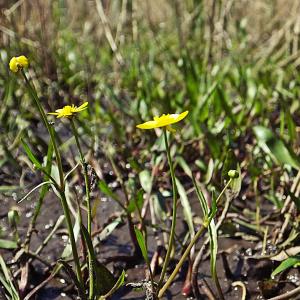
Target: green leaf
[
  {"x": 180, "y": 160},
  {"x": 31, "y": 156},
  {"x": 213, "y": 241},
  {"x": 104, "y": 280},
  {"x": 288, "y": 263},
  {"x": 73, "y": 277},
  {"x": 210, "y": 170},
  {"x": 295, "y": 199},
  {"x": 136, "y": 202},
  {"x": 107, "y": 230},
  {"x": 68, "y": 249},
  {"x": 142, "y": 243},
  {"x": 117, "y": 285},
  {"x": 105, "y": 189},
  {"x": 187, "y": 211},
  {"x": 7, "y": 244},
  {"x": 275, "y": 147},
  {"x": 146, "y": 181},
  {"x": 7, "y": 282},
  {"x": 201, "y": 198},
  {"x": 230, "y": 163}
]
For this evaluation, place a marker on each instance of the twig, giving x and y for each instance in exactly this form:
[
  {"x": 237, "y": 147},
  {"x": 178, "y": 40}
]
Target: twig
[
  {"x": 122, "y": 21},
  {"x": 243, "y": 286},
  {"x": 287, "y": 295},
  {"x": 43, "y": 283},
  {"x": 108, "y": 33}
]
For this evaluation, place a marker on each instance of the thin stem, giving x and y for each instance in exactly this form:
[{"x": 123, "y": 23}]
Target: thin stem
[
  {"x": 187, "y": 251},
  {"x": 85, "y": 174},
  {"x": 172, "y": 233},
  {"x": 214, "y": 272},
  {"x": 71, "y": 237},
  {"x": 61, "y": 188},
  {"x": 181, "y": 261},
  {"x": 89, "y": 208},
  {"x": 219, "y": 289},
  {"x": 49, "y": 128}
]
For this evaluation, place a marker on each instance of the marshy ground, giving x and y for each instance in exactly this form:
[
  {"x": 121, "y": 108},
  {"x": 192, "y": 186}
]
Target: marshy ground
[{"x": 234, "y": 65}]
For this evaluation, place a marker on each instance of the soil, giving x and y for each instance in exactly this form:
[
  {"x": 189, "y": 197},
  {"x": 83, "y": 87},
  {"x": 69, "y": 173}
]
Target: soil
[{"x": 237, "y": 251}]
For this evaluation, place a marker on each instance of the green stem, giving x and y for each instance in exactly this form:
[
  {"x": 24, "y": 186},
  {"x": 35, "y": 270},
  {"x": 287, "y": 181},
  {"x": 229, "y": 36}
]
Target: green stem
[
  {"x": 71, "y": 237},
  {"x": 181, "y": 261},
  {"x": 49, "y": 128},
  {"x": 61, "y": 189},
  {"x": 187, "y": 251},
  {"x": 173, "y": 225},
  {"x": 219, "y": 289},
  {"x": 89, "y": 208}
]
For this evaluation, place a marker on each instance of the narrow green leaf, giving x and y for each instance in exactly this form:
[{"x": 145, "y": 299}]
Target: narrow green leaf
[
  {"x": 117, "y": 285},
  {"x": 31, "y": 156},
  {"x": 201, "y": 198},
  {"x": 107, "y": 230},
  {"x": 6, "y": 280},
  {"x": 68, "y": 249},
  {"x": 146, "y": 181},
  {"x": 230, "y": 163},
  {"x": 187, "y": 211},
  {"x": 275, "y": 147},
  {"x": 142, "y": 243},
  {"x": 288, "y": 263},
  {"x": 182, "y": 163},
  {"x": 105, "y": 281},
  {"x": 73, "y": 277},
  {"x": 7, "y": 244},
  {"x": 213, "y": 240},
  {"x": 136, "y": 202},
  {"x": 105, "y": 189}
]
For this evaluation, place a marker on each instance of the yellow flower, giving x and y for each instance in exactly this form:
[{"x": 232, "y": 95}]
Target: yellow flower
[
  {"x": 17, "y": 63},
  {"x": 68, "y": 110},
  {"x": 162, "y": 121}
]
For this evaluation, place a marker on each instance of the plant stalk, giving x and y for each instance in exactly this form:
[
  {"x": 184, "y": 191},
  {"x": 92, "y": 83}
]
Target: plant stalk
[
  {"x": 61, "y": 188},
  {"x": 89, "y": 208},
  {"x": 174, "y": 213},
  {"x": 181, "y": 261}
]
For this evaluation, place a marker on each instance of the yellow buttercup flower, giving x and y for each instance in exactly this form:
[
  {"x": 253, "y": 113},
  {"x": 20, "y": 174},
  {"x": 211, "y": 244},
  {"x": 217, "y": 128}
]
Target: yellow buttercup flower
[
  {"x": 17, "y": 63},
  {"x": 164, "y": 120},
  {"x": 68, "y": 110}
]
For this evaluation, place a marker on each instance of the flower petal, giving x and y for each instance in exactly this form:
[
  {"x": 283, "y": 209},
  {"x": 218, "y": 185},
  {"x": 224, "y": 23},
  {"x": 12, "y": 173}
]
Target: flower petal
[
  {"x": 148, "y": 125},
  {"x": 162, "y": 121}
]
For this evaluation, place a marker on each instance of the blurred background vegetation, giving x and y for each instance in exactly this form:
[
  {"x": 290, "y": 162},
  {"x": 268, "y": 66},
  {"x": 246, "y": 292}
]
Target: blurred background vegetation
[{"x": 233, "y": 64}]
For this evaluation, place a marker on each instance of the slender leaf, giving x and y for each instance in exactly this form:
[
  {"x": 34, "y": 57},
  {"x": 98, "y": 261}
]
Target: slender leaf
[
  {"x": 187, "y": 211},
  {"x": 104, "y": 280},
  {"x": 146, "y": 181},
  {"x": 7, "y": 244},
  {"x": 31, "y": 156},
  {"x": 275, "y": 147},
  {"x": 142, "y": 243},
  {"x": 105, "y": 189},
  {"x": 73, "y": 277},
  {"x": 117, "y": 285},
  {"x": 286, "y": 264}
]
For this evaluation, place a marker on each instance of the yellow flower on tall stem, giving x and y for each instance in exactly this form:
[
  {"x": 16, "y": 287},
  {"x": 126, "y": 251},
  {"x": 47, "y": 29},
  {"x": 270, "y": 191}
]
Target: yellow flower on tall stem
[
  {"x": 18, "y": 63},
  {"x": 69, "y": 110},
  {"x": 166, "y": 121}
]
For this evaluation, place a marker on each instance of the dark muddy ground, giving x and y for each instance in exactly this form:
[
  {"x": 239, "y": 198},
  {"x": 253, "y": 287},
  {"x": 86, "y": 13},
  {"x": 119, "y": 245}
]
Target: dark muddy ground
[{"x": 237, "y": 251}]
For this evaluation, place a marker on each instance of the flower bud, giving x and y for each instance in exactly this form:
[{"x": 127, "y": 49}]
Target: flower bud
[{"x": 233, "y": 174}]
